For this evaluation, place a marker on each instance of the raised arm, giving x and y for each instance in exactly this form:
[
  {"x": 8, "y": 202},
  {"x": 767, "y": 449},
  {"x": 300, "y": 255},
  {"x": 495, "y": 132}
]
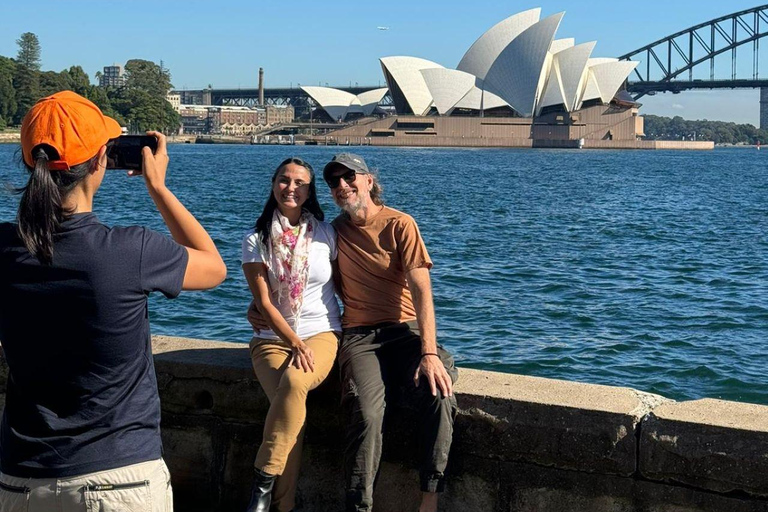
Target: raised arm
[
  {"x": 431, "y": 366},
  {"x": 256, "y": 275},
  {"x": 205, "y": 268}
]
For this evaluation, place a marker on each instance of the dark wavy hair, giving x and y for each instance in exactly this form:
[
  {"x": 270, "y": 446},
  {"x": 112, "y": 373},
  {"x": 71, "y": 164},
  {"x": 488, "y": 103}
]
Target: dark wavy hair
[
  {"x": 311, "y": 205},
  {"x": 40, "y": 211}
]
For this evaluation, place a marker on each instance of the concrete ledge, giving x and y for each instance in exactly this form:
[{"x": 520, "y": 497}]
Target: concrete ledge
[
  {"x": 522, "y": 444},
  {"x": 549, "y": 422},
  {"x": 711, "y": 444}
]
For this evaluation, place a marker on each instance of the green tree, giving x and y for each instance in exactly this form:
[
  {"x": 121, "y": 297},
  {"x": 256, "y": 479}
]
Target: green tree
[
  {"x": 664, "y": 128},
  {"x": 26, "y": 79},
  {"x": 52, "y": 82},
  {"x": 29, "y": 51},
  {"x": 142, "y": 101},
  {"x": 78, "y": 81},
  {"x": 8, "y": 105}
]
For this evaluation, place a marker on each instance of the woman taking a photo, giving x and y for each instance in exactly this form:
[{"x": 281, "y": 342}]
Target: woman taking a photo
[
  {"x": 81, "y": 425},
  {"x": 287, "y": 263}
]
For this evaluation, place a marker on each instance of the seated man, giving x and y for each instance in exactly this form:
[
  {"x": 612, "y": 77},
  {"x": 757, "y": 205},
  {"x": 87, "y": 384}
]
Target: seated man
[{"x": 389, "y": 338}]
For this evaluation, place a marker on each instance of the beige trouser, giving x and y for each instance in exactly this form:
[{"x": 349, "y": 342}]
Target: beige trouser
[
  {"x": 143, "y": 487},
  {"x": 287, "y": 388}
]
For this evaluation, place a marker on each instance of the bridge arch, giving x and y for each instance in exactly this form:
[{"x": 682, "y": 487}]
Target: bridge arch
[{"x": 714, "y": 37}]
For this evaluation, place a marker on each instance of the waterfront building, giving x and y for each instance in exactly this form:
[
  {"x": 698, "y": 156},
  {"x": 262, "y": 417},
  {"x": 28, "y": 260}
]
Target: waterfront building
[
  {"x": 515, "y": 69},
  {"x": 278, "y": 114},
  {"x": 517, "y": 85},
  {"x": 175, "y": 100},
  {"x": 516, "y": 65},
  {"x": 194, "y": 119},
  {"x": 228, "y": 120},
  {"x": 113, "y": 76}
]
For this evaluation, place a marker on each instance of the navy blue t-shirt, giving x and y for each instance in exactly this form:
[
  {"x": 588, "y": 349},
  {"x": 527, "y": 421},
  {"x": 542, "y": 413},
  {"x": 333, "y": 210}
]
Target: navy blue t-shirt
[{"x": 82, "y": 393}]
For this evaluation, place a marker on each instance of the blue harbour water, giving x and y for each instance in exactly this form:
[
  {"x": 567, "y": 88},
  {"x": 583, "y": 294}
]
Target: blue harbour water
[{"x": 646, "y": 269}]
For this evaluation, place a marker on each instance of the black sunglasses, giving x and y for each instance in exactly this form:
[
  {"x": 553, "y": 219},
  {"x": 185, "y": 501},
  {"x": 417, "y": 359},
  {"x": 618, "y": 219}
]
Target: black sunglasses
[{"x": 349, "y": 177}]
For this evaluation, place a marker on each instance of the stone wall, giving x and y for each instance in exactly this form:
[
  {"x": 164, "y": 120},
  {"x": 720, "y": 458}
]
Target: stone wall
[{"x": 522, "y": 444}]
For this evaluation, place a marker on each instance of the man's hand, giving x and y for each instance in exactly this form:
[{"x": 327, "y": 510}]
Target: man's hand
[
  {"x": 432, "y": 368},
  {"x": 255, "y": 318}
]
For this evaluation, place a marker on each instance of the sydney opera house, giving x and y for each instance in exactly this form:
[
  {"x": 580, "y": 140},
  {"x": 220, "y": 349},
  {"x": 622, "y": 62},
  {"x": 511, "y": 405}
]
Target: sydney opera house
[{"x": 516, "y": 85}]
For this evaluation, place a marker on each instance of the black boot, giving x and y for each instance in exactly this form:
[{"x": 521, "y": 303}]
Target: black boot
[{"x": 261, "y": 492}]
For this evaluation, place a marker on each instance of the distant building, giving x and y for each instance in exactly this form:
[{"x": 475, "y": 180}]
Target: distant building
[
  {"x": 236, "y": 120},
  {"x": 225, "y": 120},
  {"x": 175, "y": 100},
  {"x": 113, "y": 76},
  {"x": 279, "y": 114},
  {"x": 194, "y": 119}
]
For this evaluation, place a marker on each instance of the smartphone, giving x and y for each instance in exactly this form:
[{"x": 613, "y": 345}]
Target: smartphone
[{"x": 125, "y": 151}]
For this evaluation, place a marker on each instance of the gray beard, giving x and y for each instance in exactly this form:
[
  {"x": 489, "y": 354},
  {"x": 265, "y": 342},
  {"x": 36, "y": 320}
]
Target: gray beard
[{"x": 356, "y": 208}]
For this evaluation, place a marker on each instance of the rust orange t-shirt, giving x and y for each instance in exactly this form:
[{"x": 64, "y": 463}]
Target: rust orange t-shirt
[{"x": 373, "y": 260}]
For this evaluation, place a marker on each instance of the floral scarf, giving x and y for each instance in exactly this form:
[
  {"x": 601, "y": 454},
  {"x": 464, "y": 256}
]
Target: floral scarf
[{"x": 287, "y": 258}]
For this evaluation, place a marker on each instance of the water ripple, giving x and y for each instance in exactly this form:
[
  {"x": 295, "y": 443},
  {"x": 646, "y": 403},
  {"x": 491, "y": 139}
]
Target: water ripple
[{"x": 630, "y": 268}]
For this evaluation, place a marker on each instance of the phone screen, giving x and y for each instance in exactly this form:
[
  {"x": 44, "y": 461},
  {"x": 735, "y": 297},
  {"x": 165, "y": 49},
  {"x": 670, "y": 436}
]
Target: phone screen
[{"x": 125, "y": 151}]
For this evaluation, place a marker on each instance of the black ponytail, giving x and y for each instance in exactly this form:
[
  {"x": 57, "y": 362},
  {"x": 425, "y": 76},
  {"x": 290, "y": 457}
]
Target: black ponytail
[
  {"x": 311, "y": 205},
  {"x": 40, "y": 210}
]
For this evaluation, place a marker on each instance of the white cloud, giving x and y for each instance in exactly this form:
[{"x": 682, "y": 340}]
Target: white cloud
[{"x": 677, "y": 106}]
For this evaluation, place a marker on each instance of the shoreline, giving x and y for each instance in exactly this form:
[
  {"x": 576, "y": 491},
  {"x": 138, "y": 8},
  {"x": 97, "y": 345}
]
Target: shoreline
[{"x": 14, "y": 137}]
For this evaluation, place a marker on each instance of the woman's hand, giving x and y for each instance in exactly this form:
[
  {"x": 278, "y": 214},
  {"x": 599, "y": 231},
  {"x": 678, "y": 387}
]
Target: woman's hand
[
  {"x": 154, "y": 166},
  {"x": 303, "y": 357}
]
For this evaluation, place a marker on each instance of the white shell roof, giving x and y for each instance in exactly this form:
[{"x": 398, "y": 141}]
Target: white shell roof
[
  {"x": 572, "y": 70},
  {"x": 553, "y": 90},
  {"x": 340, "y": 103},
  {"x": 516, "y": 63},
  {"x": 447, "y": 86},
  {"x": 610, "y": 76},
  {"x": 406, "y": 73},
  {"x": 370, "y": 99},
  {"x": 477, "y": 99},
  {"x": 567, "y": 76},
  {"x": 334, "y": 101},
  {"x": 516, "y": 74},
  {"x": 559, "y": 45},
  {"x": 483, "y": 52},
  {"x": 591, "y": 89}
]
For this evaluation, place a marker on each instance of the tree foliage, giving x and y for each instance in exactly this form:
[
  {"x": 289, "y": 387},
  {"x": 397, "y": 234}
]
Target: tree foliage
[
  {"x": 8, "y": 105},
  {"x": 677, "y": 128},
  {"x": 29, "y": 51},
  {"x": 140, "y": 105},
  {"x": 26, "y": 77},
  {"x": 142, "y": 101}
]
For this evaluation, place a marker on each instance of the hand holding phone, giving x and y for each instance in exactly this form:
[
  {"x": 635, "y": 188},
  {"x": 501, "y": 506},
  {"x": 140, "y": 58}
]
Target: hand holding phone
[
  {"x": 154, "y": 163},
  {"x": 125, "y": 152}
]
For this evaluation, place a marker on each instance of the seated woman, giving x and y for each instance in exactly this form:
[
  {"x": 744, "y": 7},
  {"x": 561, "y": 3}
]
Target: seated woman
[
  {"x": 287, "y": 263},
  {"x": 81, "y": 425}
]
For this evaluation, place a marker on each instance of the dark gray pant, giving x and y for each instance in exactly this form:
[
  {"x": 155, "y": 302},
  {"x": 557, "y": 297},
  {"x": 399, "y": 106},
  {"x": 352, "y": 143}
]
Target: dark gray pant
[{"x": 377, "y": 364}]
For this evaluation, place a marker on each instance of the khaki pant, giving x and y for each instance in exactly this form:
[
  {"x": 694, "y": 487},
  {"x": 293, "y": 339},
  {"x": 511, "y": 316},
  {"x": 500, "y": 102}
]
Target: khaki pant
[
  {"x": 143, "y": 487},
  {"x": 287, "y": 388}
]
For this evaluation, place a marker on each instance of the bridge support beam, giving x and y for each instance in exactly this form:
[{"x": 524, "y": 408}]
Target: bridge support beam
[{"x": 764, "y": 108}]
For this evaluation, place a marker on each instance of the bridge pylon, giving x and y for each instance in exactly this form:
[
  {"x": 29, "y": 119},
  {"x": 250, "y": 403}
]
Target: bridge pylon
[{"x": 764, "y": 108}]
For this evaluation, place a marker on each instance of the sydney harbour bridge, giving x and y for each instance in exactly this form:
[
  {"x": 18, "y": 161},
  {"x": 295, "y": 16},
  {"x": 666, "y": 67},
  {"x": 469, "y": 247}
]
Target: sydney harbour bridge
[{"x": 723, "y": 53}]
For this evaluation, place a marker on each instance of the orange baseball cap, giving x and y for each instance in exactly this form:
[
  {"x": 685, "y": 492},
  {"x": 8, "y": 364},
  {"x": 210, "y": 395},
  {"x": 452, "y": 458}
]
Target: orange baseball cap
[{"x": 74, "y": 126}]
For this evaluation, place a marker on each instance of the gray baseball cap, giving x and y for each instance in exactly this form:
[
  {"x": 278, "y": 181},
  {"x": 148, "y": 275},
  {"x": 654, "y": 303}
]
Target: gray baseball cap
[{"x": 351, "y": 161}]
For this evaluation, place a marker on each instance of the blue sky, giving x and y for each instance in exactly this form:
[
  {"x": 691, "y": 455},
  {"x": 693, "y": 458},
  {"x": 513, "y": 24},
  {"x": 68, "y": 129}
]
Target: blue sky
[{"x": 337, "y": 42}]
